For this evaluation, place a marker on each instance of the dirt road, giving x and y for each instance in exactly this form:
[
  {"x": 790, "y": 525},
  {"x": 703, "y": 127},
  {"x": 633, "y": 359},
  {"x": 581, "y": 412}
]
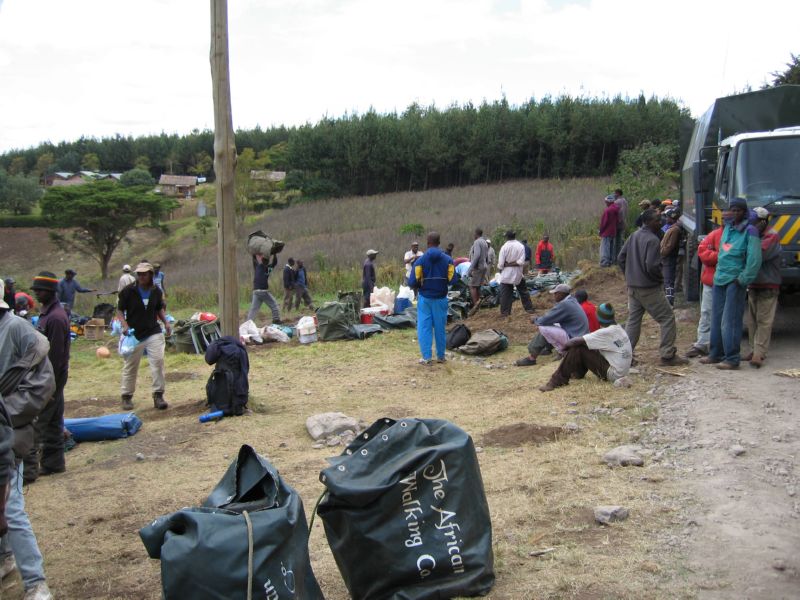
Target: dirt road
[{"x": 734, "y": 439}]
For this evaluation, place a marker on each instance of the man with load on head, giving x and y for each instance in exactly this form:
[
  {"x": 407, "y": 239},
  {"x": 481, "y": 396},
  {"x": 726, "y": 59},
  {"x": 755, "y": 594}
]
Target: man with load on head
[
  {"x": 606, "y": 352},
  {"x": 262, "y": 269},
  {"x": 139, "y": 308},
  {"x": 433, "y": 272},
  {"x": 564, "y": 321},
  {"x": 762, "y": 294},
  {"x": 640, "y": 261}
]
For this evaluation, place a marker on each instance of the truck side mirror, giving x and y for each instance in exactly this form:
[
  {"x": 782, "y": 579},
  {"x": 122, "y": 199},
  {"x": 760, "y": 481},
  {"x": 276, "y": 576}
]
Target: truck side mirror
[{"x": 699, "y": 176}]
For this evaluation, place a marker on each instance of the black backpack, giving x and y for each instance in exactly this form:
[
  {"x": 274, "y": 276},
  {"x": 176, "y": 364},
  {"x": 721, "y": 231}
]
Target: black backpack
[
  {"x": 220, "y": 391},
  {"x": 458, "y": 336}
]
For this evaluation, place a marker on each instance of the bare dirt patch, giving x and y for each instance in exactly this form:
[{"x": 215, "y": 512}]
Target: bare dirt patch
[{"x": 511, "y": 436}]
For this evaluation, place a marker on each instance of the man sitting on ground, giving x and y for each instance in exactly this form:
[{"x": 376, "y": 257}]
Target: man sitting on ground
[
  {"x": 564, "y": 321},
  {"x": 606, "y": 352}
]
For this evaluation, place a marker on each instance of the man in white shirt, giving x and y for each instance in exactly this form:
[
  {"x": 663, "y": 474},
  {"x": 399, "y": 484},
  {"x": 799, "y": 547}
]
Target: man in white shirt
[
  {"x": 606, "y": 352},
  {"x": 126, "y": 278},
  {"x": 510, "y": 262},
  {"x": 409, "y": 258}
]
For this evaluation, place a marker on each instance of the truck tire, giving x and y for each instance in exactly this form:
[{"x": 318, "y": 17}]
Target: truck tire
[{"x": 691, "y": 271}]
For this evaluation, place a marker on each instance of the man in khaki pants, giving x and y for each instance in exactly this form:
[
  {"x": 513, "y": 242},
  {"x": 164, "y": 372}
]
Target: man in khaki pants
[
  {"x": 139, "y": 309},
  {"x": 762, "y": 294}
]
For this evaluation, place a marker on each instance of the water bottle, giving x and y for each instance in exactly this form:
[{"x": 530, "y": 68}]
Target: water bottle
[{"x": 212, "y": 416}]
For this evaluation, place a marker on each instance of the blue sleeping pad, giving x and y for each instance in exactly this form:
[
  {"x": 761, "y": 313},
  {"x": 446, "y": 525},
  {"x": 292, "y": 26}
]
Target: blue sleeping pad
[{"x": 107, "y": 427}]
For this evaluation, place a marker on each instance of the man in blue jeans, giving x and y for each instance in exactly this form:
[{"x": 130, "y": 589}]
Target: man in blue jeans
[
  {"x": 433, "y": 272},
  {"x": 738, "y": 262}
]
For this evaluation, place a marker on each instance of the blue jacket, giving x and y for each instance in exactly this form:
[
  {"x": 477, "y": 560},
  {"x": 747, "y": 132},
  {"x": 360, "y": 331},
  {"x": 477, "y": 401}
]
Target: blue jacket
[{"x": 433, "y": 272}]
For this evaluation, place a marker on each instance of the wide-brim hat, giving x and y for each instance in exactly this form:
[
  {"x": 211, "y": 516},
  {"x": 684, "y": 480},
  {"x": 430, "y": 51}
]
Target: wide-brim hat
[
  {"x": 46, "y": 281},
  {"x": 144, "y": 267}
]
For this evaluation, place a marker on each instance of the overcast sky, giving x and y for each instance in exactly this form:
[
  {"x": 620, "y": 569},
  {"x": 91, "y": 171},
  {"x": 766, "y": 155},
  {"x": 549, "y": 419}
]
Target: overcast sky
[{"x": 100, "y": 67}]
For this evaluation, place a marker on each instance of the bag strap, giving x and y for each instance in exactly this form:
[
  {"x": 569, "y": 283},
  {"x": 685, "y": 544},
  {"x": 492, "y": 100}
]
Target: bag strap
[
  {"x": 249, "y": 554},
  {"x": 314, "y": 513}
]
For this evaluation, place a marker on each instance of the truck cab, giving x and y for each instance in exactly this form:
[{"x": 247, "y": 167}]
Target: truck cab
[{"x": 745, "y": 146}]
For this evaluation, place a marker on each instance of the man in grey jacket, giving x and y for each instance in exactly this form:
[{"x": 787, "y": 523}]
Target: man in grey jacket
[
  {"x": 478, "y": 268},
  {"x": 27, "y": 382},
  {"x": 640, "y": 261}
]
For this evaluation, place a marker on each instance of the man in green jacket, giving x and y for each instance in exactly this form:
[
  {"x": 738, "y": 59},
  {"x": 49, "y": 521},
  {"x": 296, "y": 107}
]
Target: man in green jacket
[{"x": 738, "y": 263}]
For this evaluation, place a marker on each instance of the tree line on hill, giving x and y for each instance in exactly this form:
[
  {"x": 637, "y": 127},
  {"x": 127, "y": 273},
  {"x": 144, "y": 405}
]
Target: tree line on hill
[{"x": 418, "y": 149}]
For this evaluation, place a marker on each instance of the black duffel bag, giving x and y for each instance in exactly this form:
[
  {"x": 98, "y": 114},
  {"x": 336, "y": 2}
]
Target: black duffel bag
[
  {"x": 405, "y": 513},
  {"x": 250, "y": 533},
  {"x": 458, "y": 336}
]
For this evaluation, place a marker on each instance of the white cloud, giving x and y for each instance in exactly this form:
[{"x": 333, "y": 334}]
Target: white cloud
[{"x": 97, "y": 68}]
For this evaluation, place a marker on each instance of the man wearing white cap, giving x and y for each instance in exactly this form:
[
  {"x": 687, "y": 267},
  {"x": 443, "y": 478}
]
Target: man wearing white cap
[
  {"x": 558, "y": 325},
  {"x": 139, "y": 308},
  {"x": 126, "y": 278}
]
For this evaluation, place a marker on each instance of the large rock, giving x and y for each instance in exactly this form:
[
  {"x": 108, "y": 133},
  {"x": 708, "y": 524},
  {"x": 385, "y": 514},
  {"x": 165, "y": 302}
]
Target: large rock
[
  {"x": 608, "y": 514},
  {"x": 325, "y": 425},
  {"x": 624, "y": 456}
]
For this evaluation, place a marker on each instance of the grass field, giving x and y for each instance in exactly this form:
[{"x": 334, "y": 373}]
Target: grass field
[
  {"x": 332, "y": 236},
  {"x": 540, "y": 495}
]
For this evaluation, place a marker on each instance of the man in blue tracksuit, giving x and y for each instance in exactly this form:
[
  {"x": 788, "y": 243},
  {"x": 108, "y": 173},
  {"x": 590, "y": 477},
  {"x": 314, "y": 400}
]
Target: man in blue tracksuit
[{"x": 431, "y": 275}]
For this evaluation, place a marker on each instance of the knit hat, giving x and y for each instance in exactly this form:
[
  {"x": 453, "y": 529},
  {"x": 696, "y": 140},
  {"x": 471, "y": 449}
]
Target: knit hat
[
  {"x": 644, "y": 204},
  {"x": 45, "y": 280},
  {"x": 761, "y": 213},
  {"x": 605, "y": 313},
  {"x": 738, "y": 203}
]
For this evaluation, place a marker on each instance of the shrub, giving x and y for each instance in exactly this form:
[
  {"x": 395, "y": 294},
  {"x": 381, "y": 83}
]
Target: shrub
[{"x": 412, "y": 229}]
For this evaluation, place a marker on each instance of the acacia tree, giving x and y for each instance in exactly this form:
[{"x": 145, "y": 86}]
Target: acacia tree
[{"x": 100, "y": 215}]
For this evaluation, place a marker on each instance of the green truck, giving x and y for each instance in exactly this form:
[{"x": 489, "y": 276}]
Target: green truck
[{"x": 747, "y": 146}]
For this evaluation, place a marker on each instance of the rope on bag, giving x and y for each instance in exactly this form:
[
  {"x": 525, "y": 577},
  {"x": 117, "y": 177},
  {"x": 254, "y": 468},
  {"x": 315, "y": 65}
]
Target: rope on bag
[
  {"x": 314, "y": 513},
  {"x": 249, "y": 555}
]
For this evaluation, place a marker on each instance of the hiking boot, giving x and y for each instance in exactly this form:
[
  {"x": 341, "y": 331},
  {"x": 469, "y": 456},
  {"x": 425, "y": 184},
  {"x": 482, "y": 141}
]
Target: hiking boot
[
  {"x": 726, "y": 366},
  {"x": 756, "y": 361},
  {"x": 528, "y": 361},
  {"x": 675, "y": 361},
  {"x": 696, "y": 351},
  {"x": 547, "y": 387},
  {"x": 8, "y": 566},
  {"x": 158, "y": 401},
  {"x": 127, "y": 401},
  {"x": 708, "y": 360},
  {"x": 38, "y": 591}
]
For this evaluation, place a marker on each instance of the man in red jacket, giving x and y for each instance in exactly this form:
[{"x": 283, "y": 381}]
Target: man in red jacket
[
  {"x": 608, "y": 232},
  {"x": 545, "y": 255},
  {"x": 707, "y": 253}
]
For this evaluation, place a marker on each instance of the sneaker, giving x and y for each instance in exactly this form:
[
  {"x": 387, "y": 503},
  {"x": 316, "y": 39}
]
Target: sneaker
[
  {"x": 425, "y": 363},
  {"x": 526, "y": 362},
  {"x": 127, "y": 402},
  {"x": 38, "y": 591},
  {"x": 696, "y": 351},
  {"x": 675, "y": 361},
  {"x": 726, "y": 366},
  {"x": 756, "y": 361},
  {"x": 708, "y": 360},
  {"x": 7, "y": 566}
]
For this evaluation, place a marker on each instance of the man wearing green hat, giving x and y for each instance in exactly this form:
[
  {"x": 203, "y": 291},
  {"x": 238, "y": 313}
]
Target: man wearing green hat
[{"x": 606, "y": 352}]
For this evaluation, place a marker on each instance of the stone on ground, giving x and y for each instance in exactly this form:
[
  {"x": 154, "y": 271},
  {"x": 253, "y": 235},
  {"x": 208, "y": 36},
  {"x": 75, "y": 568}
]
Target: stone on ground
[
  {"x": 609, "y": 514},
  {"x": 624, "y": 456},
  {"x": 325, "y": 425}
]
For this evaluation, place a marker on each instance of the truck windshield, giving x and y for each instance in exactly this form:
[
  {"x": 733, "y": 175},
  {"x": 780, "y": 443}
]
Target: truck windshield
[{"x": 768, "y": 170}]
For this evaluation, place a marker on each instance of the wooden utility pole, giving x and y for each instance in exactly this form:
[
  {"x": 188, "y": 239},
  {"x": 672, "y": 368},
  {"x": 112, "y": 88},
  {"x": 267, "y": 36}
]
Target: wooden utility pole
[{"x": 224, "y": 165}]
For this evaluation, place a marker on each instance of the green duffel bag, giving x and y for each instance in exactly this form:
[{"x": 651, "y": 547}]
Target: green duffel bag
[
  {"x": 248, "y": 540},
  {"x": 484, "y": 343},
  {"x": 334, "y": 320},
  {"x": 405, "y": 513}
]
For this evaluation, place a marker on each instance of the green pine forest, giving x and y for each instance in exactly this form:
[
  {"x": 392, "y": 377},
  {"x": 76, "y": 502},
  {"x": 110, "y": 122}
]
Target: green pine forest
[{"x": 421, "y": 148}]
